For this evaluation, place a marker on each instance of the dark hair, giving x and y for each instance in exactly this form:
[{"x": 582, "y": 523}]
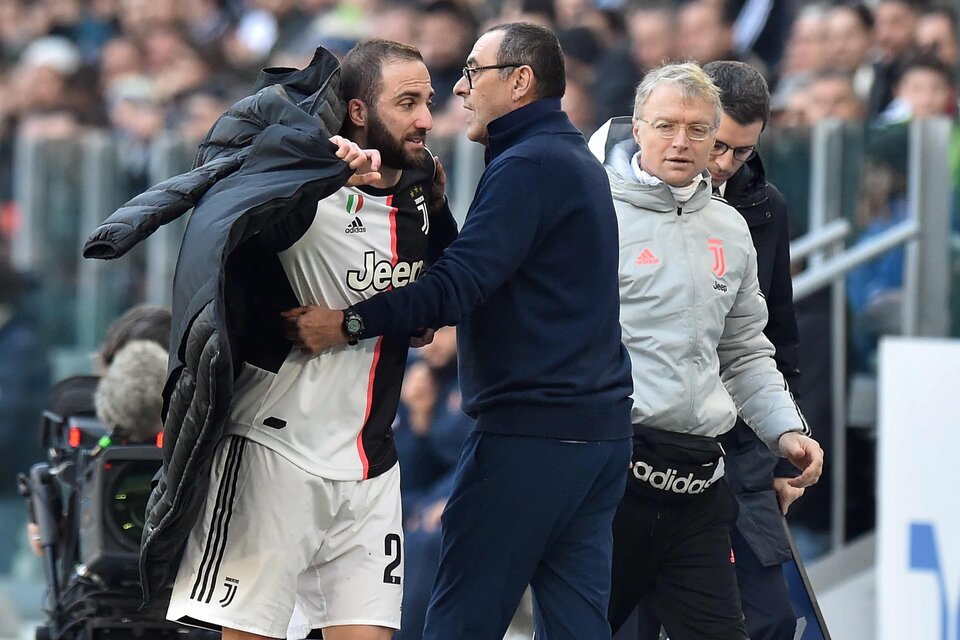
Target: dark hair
[
  {"x": 861, "y": 11},
  {"x": 361, "y": 70},
  {"x": 945, "y": 11},
  {"x": 462, "y": 14},
  {"x": 530, "y": 44},
  {"x": 743, "y": 91},
  {"x": 926, "y": 61},
  {"x": 544, "y": 8},
  {"x": 142, "y": 322},
  {"x": 580, "y": 43}
]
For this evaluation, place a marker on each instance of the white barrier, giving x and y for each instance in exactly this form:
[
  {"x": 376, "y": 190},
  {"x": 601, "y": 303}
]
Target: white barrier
[{"x": 918, "y": 503}]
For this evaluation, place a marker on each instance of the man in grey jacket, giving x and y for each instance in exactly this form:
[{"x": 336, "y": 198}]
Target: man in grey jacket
[{"x": 693, "y": 318}]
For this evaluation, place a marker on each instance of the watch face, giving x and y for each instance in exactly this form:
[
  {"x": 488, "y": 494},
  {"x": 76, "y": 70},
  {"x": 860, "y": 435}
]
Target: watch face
[{"x": 353, "y": 325}]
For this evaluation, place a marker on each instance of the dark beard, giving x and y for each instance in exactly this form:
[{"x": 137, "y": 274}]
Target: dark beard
[{"x": 392, "y": 153}]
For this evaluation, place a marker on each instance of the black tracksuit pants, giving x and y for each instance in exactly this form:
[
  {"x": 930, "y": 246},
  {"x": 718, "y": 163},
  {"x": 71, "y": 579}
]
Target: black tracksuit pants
[{"x": 674, "y": 557}]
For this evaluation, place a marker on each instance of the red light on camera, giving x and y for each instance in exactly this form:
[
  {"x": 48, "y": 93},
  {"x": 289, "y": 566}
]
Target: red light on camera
[
  {"x": 73, "y": 437},
  {"x": 160, "y": 440}
]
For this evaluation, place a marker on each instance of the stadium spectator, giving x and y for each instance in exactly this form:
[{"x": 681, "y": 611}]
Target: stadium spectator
[
  {"x": 925, "y": 87},
  {"x": 831, "y": 95},
  {"x": 705, "y": 32},
  {"x": 849, "y": 42},
  {"x": 24, "y": 377},
  {"x": 807, "y": 51},
  {"x": 444, "y": 35},
  {"x": 653, "y": 34},
  {"x": 893, "y": 28},
  {"x": 651, "y": 29},
  {"x": 936, "y": 33}
]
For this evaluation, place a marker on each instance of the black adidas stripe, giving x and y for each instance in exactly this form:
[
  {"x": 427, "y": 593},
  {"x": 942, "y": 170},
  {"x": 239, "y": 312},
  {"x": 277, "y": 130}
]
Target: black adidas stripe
[
  {"x": 203, "y": 568},
  {"x": 226, "y": 520},
  {"x": 217, "y": 534}
]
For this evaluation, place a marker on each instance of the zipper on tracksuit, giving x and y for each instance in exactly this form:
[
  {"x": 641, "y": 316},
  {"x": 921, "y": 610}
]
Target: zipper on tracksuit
[{"x": 696, "y": 322}]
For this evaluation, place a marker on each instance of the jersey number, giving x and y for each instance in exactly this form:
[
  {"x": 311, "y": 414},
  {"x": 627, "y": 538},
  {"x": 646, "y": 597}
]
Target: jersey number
[{"x": 393, "y": 548}]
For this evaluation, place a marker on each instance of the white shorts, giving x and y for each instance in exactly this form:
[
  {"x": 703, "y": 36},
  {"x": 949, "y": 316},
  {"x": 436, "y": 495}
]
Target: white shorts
[{"x": 280, "y": 552}]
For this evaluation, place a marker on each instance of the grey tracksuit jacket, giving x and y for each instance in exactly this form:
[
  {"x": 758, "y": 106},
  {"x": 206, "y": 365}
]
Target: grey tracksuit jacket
[{"x": 691, "y": 308}]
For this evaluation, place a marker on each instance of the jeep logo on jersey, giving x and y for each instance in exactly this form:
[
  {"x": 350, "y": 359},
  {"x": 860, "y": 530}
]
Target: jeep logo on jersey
[
  {"x": 719, "y": 262},
  {"x": 668, "y": 480},
  {"x": 384, "y": 274}
]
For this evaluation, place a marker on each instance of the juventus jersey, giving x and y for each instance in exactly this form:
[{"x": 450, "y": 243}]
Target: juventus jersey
[{"x": 329, "y": 414}]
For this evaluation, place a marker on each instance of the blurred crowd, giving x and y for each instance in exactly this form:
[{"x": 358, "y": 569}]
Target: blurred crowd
[{"x": 140, "y": 67}]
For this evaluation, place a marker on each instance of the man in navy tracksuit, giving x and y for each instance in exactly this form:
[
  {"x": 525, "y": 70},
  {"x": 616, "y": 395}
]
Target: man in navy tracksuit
[{"x": 532, "y": 284}]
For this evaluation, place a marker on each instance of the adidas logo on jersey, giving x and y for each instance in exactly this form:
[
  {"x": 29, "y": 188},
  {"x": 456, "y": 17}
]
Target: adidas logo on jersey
[
  {"x": 355, "y": 227},
  {"x": 646, "y": 257}
]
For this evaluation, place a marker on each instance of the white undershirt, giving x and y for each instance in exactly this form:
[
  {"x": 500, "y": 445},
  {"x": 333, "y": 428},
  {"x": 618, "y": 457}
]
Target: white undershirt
[{"x": 680, "y": 194}]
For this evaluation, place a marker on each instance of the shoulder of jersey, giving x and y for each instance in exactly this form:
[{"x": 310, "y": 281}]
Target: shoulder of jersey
[{"x": 422, "y": 173}]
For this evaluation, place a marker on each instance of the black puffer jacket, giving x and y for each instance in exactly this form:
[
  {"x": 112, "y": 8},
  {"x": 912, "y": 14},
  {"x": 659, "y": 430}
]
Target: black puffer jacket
[
  {"x": 265, "y": 155},
  {"x": 750, "y": 466}
]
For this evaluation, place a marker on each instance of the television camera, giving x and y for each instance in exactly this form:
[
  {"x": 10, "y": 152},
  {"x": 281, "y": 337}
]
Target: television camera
[{"x": 88, "y": 501}]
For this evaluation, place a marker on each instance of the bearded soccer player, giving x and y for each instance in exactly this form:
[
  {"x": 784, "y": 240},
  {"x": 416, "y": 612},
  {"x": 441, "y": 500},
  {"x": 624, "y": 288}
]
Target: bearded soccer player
[{"x": 302, "y": 524}]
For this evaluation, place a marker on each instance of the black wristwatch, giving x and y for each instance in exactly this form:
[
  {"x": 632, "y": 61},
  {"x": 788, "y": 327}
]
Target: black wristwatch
[{"x": 352, "y": 326}]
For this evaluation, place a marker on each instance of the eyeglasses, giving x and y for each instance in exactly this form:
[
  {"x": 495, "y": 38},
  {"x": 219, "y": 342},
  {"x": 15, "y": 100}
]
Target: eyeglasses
[
  {"x": 667, "y": 129},
  {"x": 740, "y": 153},
  {"x": 469, "y": 71}
]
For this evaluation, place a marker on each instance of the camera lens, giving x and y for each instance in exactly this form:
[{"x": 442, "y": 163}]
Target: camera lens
[{"x": 129, "y": 492}]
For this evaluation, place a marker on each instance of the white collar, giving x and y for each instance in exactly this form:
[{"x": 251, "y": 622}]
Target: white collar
[{"x": 680, "y": 194}]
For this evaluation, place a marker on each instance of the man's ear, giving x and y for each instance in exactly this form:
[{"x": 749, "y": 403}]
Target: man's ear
[
  {"x": 357, "y": 112},
  {"x": 524, "y": 84}
]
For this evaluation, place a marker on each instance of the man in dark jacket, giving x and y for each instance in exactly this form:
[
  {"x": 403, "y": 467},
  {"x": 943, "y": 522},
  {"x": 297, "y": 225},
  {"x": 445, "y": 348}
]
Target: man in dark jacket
[
  {"x": 757, "y": 478},
  {"x": 532, "y": 283}
]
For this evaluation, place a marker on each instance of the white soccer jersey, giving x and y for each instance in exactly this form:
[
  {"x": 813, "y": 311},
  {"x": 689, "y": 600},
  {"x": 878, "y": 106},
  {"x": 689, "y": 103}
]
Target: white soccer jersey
[{"x": 330, "y": 414}]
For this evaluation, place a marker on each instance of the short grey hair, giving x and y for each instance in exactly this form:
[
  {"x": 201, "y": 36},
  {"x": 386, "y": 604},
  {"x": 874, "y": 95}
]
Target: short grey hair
[{"x": 692, "y": 81}]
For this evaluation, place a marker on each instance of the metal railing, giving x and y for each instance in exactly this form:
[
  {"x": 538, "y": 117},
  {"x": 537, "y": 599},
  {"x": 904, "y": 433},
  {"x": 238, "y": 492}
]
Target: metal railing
[{"x": 925, "y": 234}]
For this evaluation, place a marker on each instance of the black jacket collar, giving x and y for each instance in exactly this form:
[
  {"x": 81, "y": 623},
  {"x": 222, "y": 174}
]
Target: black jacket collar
[{"x": 746, "y": 191}]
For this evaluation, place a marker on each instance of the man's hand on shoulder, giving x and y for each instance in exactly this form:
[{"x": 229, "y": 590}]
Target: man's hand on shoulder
[
  {"x": 438, "y": 192},
  {"x": 364, "y": 162},
  {"x": 313, "y": 328},
  {"x": 805, "y": 454}
]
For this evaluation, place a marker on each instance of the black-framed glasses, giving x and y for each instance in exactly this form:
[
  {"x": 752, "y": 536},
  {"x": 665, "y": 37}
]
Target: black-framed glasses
[
  {"x": 469, "y": 71},
  {"x": 740, "y": 153},
  {"x": 667, "y": 129}
]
